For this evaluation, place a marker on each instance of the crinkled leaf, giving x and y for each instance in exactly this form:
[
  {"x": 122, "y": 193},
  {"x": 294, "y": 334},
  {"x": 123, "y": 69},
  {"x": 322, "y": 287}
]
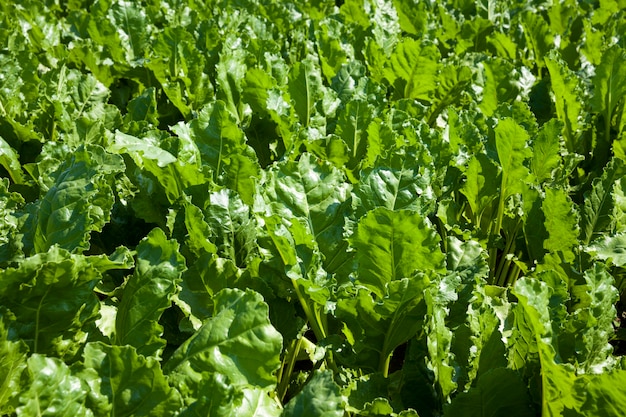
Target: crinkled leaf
[
  {"x": 561, "y": 222},
  {"x": 395, "y": 189},
  {"x": 53, "y": 390},
  {"x": 568, "y": 99},
  {"x": 611, "y": 248},
  {"x": 513, "y": 150},
  {"x": 148, "y": 293},
  {"x": 599, "y": 203},
  {"x": 79, "y": 201},
  {"x": 51, "y": 295},
  {"x": 237, "y": 341},
  {"x": 320, "y": 397},
  {"x": 13, "y": 353},
  {"x": 125, "y": 383},
  {"x": 316, "y": 193}
]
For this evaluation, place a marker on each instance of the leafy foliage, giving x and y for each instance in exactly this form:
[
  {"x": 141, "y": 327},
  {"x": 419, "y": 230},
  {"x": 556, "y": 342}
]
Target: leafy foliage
[{"x": 379, "y": 207}]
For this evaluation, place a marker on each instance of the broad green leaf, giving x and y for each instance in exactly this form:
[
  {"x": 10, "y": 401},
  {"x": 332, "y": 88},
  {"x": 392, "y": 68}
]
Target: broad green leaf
[
  {"x": 395, "y": 189},
  {"x": 499, "y": 391},
  {"x": 157, "y": 167},
  {"x": 242, "y": 176},
  {"x": 144, "y": 107},
  {"x": 602, "y": 394},
  {"x": 232, "y": 229},
  {"x": 230, "y": 73},
  {"x": 205, "y": 278},
  {"x": 333, "y": 50},
  {"x": 320, "y": 397},
  {"x": 197, "y": 231},
  {"x": 498, "y": 84},
  {"x": 237, "y": 341},
  {"x": 316, "y": 193},
  {"x": 148, "y": 293},
  {"x": 51, "y": 295},
  {"x": 439, "y": 339},
  {"x": 609, "y": 92},
  {"x": 125, "y": 383},
  {"x": 384, "y": 23},
  {"x": 79, "y": 201},
  {"x": 53, "y": 390},
  {"x": 217, "y": 136},
  {"x": 179, "y": 69},
  {"x": 133, "y": 29},
  {"x": 306, "y": 89},
  {"x": 412, "y": 69},
  {"x": 352, "y": 123},
  {"x": 561, "y": 222},
  {"x": 392, "y": 245}
]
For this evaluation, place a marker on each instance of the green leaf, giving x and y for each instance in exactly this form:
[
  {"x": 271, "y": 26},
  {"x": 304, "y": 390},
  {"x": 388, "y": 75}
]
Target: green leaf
[
  {"x": 569, "y": 100},
  {"x": 412, "y": 69},
  {"x": 546, "y": 158},
  {"x": 395, "y": 189},
  {"x": 538, "y": 37},
  {"x": 320, "y": 397},
  {"x": 144, "y": 107},
  {"x": 481, "y": 185},
  {"x": 78, "y": 202},
  {"x": 10, "y": 161},
  {"x": 498, "y": 392},
  {"x": 599, "y": 203},
  {"x": 179, "y": 69},
  {"x": 237, "y": 341},
  {"x": 148, "y": 293},
  {"x": 611, "y": 248},
  {"x": 12, "y": 362},
  {"x": 51, "y": 295},
  {"x": 561, "y": 222},
  {"x": 609, "y": 82},
  {"x": 392, "y": 245},
  {"x": 232, "y": 229},
  {"x": 306, "y": 89},
  {"x": 316, "y": 193},
  {"x": 53, "y": 390},
  {"x": 513, "y": 151},
  {"x": 217, "y": 136},
  {"x": 125, "y": 383},
  {"x": 230, "y": 73}
]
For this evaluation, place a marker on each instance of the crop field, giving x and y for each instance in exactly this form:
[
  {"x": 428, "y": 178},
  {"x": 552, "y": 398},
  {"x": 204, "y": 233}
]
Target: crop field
[{"x": 313, "y": 208}]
